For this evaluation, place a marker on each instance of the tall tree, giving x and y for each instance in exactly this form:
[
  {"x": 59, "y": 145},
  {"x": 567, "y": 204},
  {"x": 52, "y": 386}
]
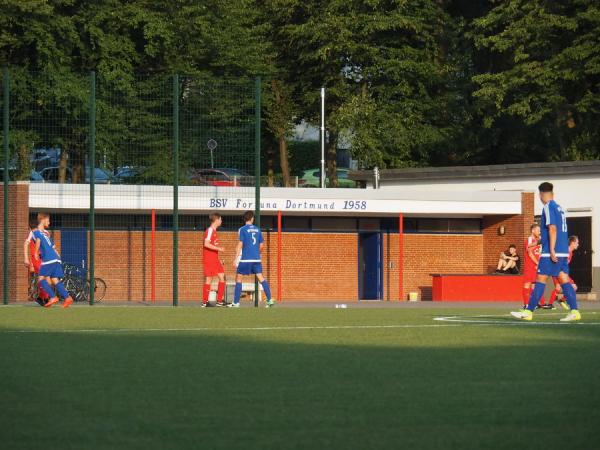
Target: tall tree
[{"x": 543, "y": 74}]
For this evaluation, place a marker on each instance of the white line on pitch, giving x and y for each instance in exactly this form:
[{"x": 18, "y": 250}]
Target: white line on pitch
[
  {"x": 299, "y": 328},
  {"x": 481, "y": 320}
]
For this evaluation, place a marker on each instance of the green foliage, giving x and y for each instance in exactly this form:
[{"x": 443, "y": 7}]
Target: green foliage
[
  {"x": 545, "y": 71},
  {"x": 415, "y": 82}
]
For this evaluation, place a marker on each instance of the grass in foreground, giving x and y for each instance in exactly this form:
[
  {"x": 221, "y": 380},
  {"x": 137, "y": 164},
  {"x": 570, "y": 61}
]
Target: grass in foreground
[{"x": 157, "y": 378}]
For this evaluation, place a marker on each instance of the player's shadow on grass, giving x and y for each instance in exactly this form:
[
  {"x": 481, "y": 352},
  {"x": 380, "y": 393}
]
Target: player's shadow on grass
[{"x": 199, "y": 390}]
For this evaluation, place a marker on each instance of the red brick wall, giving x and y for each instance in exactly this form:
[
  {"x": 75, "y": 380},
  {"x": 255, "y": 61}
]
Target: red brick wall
[
  {"x": 18, "y": 216},
  {"x": 123, "y": 260},
  {"x": 315, "y": 266},
  {"x": 425, "y": 254},
  {"x": 516, "y": 230}
]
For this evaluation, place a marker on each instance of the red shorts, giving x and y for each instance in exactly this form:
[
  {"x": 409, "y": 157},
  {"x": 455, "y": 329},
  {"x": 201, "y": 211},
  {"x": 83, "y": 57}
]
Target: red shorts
[
  {"x": 213, "y": 268},
  {"x": 36, "y": 263},
  {"x": 530, "y": 274}
]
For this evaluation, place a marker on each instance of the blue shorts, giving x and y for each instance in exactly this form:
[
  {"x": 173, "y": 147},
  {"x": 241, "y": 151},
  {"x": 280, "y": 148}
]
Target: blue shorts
[
  {"x": 249, "y": 268},
  {"x": 52, "y": 270},
  {"x": 552, "y": 269}
]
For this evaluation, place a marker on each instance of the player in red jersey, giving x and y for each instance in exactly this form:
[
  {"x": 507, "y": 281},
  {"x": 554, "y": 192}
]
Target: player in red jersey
[
  {"x": 212, "y": 264},
  {"x": 33, "y": 263},
  {"x": 533, "y": 250},
  {"x": 573, "y": 245}
]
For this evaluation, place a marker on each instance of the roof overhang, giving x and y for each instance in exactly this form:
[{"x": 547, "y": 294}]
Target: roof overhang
[{"x": 137, "y": 199}]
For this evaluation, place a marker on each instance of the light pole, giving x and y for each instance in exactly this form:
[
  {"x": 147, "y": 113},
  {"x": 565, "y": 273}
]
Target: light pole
[{"x": 322, "y": 137}]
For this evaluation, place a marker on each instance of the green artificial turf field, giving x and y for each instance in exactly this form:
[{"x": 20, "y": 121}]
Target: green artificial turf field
[{"x": 167, "y": 378}]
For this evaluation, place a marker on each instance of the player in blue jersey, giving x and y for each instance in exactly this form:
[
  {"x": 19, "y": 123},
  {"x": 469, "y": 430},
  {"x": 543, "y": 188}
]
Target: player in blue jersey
[
  {"x": 51, "y": 265},
  {"x": 247, "y": 258},
  {"x": 554, "y": 260}
]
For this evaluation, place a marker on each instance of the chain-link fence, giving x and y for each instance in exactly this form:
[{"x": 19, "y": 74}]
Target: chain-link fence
[{"x": 128, "y": 169}]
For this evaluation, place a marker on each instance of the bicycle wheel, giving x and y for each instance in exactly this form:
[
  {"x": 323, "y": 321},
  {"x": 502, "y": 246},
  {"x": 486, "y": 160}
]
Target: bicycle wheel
[
  {"x": 99, "y": 289},
  {"x": 83, "y": 291},
  {"x": 32, "y": 290},
  {"x": 70, "y": 285},
  {"x": 76, "y": 288}
]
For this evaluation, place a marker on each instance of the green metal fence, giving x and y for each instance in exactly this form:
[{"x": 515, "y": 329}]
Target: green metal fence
[{"x": 155, "y": 140}]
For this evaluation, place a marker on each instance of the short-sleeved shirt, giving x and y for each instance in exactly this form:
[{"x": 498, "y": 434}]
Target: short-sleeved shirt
[
  {"x": 210, "y": 256},
  {"x": 31, "y": 241},
  {"x": 47, "y": 252},
  {"x": 536, "y": 250},
  {"x": 553, "y": 214},
  {"x": 251, "y": 238}
]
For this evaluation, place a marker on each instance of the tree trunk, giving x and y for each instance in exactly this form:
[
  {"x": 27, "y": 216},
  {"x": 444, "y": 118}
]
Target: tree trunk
[
  {"x": 280, "y": 131},
  {"x": 270, "y": 172},
  {"x": 62, "y": 166},
  {"x": 284, "y": 161},
  {"x": 332, "y": 159},
  {"x": 23, "y": 164},
  {"x": 78, "y": 167}
]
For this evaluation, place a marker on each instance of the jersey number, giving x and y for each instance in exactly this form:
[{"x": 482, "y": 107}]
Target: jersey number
[
  {"x": 253, "y": 238},
  {"x": 564, "y": 221}
]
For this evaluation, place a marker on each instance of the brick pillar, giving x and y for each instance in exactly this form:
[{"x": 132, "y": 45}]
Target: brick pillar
[
  {"x": 516, "y": 230},
  {"x": 18, "y": 229}
]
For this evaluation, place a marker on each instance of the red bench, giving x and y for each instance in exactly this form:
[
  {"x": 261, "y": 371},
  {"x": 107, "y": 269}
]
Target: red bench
[{"x": 477, "y": 288}]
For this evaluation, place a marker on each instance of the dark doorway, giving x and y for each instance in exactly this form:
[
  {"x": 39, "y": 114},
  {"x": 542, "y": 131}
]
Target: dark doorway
[
  {"x": 74, "y": 247},
  {"x": 370, "y": 264},
  {"x": 581, "y": 265}
]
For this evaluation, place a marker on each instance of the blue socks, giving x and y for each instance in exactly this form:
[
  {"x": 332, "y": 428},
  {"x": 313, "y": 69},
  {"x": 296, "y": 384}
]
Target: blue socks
[
  {"x": 61, "y": 290},
  {"x": 267, "y": 289},
  {"x": 536, "y": 295},
  {"x": 570, "y": 295},
  {"x": 237, "y": 293},
  {"x": 47, "y": 287}
]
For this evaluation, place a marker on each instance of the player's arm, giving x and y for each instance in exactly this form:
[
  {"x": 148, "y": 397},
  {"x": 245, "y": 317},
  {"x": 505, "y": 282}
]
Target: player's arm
[
  {"x": 261, "y": 241},
  {"x": 210, "y": 246},
  {"x": 238, "y": 252},
  {"x": 36, "y": 253},
  {"x": 552, "y": 238},
  {"x": 26, "y": 253},
  {"x": 531, "y": 254}
]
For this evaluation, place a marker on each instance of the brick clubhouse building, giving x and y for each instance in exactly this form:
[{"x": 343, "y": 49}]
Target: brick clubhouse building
[{"x": 321, "y": 244}]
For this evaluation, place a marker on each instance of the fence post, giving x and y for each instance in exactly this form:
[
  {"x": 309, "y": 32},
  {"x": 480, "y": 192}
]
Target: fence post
[
  {"x": 92, "y": 169},
  {"x": 279, "y": 289},
  {"x": 401, "y": 257},
  {"x": 153, "y": 257},
  {"x": 175, "y": 190},
  {"x": 5, "y": 108},
  {"x": 257, "y": 87}
]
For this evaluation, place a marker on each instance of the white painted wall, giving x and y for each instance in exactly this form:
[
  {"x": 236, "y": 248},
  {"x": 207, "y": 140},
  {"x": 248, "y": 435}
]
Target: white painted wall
[
  {"x": 572, "y": 193},
  {"x": 353, "y": 202}
]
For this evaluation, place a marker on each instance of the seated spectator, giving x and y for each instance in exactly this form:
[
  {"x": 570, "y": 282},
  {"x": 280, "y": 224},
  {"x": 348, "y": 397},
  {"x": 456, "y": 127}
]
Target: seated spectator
[{"x": 509, "y": 262}]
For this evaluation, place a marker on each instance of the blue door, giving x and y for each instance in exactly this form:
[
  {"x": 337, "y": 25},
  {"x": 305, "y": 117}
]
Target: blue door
[
  {"x": 370, "y": 264},
  {"x": 73, "y": 247}
]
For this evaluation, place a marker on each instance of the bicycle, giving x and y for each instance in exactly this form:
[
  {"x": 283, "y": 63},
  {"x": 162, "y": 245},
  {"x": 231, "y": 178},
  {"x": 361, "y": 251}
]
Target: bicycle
[
  {"x": 33, "y": 289},
  {"x": 76, "y": 281}
]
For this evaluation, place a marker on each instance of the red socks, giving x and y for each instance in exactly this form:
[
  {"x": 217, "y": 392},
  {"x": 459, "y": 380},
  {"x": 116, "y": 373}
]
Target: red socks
[
  {"x": 43, "y": 294},
  {"x": 205, "y": 293},
  {"x": 220, "y": 291}
]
